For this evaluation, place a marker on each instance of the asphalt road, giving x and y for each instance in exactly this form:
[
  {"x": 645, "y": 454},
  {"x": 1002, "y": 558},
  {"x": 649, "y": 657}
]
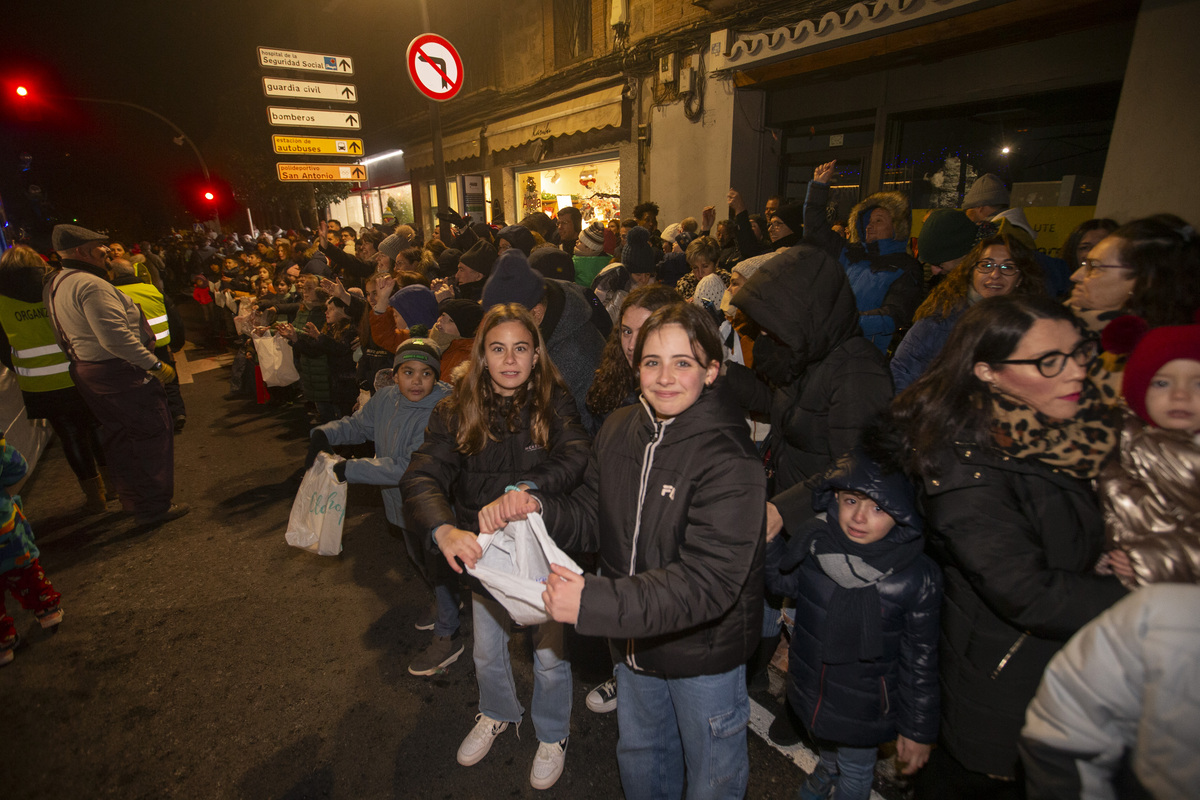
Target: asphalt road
[{"x": 208, "y": 659}]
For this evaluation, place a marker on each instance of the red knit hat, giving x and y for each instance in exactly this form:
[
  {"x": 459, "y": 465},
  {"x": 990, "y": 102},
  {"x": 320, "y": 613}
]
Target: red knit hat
[{"x": 1154, "y": 349}]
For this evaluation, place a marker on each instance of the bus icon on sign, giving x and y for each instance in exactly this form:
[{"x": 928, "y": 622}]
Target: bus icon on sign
[
  {"x": 341, "y": 146},
  {"x": 331, "y": 63}
]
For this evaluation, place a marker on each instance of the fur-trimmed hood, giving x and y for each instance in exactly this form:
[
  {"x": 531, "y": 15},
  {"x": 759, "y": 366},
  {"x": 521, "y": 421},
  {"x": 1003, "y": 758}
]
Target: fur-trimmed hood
[{"x": 895, "y": 203}]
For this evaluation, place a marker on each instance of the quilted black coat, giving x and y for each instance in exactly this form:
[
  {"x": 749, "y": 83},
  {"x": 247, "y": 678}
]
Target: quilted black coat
[
  {"x": 1017, "y": 542},
  {"x": 863, "y": 703},
  {"x": 676, "y": 510}
]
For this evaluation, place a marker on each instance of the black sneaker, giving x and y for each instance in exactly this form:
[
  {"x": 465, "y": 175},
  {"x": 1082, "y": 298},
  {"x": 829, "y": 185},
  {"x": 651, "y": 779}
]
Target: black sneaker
[
  {"x": 443, "y": 652},
  {"x": 180, "y": 421}
]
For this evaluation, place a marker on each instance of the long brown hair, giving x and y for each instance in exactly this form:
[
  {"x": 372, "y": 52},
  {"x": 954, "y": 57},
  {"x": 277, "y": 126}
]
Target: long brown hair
[
  {"x": 485, "y": 416},
  {"x": 952, "y": 293},
  {"x": 615, "y": 377},
  {"x": 948, "y": 403}
]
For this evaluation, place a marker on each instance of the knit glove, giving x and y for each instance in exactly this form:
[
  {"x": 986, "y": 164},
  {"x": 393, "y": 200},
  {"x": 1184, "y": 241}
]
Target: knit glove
[{"x": 164, "y": 373}]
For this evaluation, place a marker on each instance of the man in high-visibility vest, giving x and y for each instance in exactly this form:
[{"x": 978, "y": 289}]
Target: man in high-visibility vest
[
  {"x": 29, "y": 349},
  {"x": 168, "y": 331},
  {"x": 111, "y": 348}
]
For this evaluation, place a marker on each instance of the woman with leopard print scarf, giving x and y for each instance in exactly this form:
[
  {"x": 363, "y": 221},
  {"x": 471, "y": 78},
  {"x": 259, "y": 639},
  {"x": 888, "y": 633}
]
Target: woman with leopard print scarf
[{"x": 1005, "y": 432}]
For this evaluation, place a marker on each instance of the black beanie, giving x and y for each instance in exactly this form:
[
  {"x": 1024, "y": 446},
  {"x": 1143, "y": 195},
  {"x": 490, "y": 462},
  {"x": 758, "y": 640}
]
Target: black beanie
[
  {"x": 792, "y": 215},
  {"x": 481, "y": 258},
  {"x": 638, "y": 256},
  {"x": 465, "y": 313},
  {"x": 448, "y": 262},
  {"x": 519, "y": 237},
  {"x": 513, "y": 281},
  {"x": 553, "y": 263}
]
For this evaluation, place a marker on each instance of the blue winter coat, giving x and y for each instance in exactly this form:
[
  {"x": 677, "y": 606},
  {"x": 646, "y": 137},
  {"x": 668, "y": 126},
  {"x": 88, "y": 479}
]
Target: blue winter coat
[
  {"x": 888, "y": 283},
  {"x": 397, "y": 426},
  {"x": 864, "y": 703},
  {"x": 924, "y": 340}
]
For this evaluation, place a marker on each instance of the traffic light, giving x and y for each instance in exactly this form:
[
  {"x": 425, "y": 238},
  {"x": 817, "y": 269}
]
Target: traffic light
[
  {"x": 209, "y": 196},
  {"x": 22, "y": 91}
]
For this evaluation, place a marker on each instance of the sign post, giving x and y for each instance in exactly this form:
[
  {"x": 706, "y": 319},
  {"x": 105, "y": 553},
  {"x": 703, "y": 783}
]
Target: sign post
[{"x": 435, "y": 68}]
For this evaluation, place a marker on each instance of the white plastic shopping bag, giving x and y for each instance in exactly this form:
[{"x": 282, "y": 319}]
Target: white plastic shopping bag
[
  {"x": 275, "y": 359},
  {"x": 515, "y": 565},
  {"x": 319, "y": 509}
]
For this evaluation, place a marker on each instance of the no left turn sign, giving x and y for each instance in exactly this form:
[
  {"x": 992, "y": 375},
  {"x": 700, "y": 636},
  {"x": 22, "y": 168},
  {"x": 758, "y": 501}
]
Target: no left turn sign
[{"x": 434, "y": 66}]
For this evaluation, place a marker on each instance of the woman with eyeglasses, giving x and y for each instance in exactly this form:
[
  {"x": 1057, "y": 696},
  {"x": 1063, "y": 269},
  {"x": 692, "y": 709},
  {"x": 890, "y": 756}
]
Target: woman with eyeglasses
[
  {"x": 1005, "y": 432},
  {"x": 1149, "y": 267},
  {"x": 996, "y": 266}
]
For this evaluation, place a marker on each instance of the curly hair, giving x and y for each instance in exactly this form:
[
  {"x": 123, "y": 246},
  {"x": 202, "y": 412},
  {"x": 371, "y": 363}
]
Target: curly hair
[
  {"x": 482, "y": 414},
  {"x": 616, "y": 377},
  {"x": 952, "y": 293}
]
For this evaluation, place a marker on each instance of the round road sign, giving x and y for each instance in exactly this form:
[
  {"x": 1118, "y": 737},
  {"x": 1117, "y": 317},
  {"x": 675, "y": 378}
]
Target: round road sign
[{"x": 434, "y": 66}]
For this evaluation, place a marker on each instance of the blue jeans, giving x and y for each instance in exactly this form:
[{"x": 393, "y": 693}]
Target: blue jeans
[
  {"x": 670, "y": 727},
  {"x": 852, "y": 769},
  {"x": 551, "y": 672}
]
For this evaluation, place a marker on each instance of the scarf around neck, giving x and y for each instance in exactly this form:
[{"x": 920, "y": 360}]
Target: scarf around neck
[
  {"x": 1078, "y": 446},
  {"x": 853, "y": 623}
]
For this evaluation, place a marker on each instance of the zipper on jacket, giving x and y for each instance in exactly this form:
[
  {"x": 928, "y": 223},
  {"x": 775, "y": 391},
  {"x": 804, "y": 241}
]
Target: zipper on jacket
[
  {"x": 820, "y": 698},
  {"x": 1008, "y": 656},
  {"x": 887, "y": 704},
  {"x": 647, "y": 462}
]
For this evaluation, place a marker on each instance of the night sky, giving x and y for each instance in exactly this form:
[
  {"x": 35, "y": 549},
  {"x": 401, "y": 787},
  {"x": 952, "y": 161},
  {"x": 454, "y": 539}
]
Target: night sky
[{"x": 193, "y": 62}]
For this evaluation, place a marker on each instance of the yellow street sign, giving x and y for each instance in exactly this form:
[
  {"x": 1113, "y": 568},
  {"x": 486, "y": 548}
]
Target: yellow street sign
[
  {"x": 316, "y": 145},
  {"x": 321, "y": 172}
]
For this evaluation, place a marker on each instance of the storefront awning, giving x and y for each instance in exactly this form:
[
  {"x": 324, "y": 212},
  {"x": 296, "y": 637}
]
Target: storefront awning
[
  {"x": 593, "y": 111},
  {"x": 455, "y": 147}
]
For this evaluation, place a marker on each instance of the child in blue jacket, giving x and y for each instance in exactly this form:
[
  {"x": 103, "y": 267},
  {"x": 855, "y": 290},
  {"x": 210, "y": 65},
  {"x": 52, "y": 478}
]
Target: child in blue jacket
[
  {"x": 395, "y": 419},
  {"x": 863, "y": 657},
  {"x": 20, "y": 572}
]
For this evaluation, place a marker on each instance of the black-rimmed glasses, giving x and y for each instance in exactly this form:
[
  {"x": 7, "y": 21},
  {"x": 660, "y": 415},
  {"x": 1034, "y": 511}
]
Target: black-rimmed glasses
[
  {"x": 1091, "y": 266},
  {"x": 1051, "y": 365}
]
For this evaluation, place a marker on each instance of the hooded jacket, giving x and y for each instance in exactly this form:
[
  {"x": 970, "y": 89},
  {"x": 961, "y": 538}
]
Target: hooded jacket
[
  {"x": 679, "y": 533},
  {"x": 863, "y": 703},
  {"x": 832, "y": 381},
  {"x": 397, "y": 426},
  {"x": 888, "y": 283},
  {"x": 574, "y": 343}
]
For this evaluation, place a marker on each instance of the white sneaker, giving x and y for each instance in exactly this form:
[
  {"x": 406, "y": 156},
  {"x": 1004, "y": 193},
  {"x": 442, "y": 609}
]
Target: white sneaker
[
  {"x": 603, "y": 698},
  {"x": 479, "y": 740},
  {"x": 548, "y": 764}
]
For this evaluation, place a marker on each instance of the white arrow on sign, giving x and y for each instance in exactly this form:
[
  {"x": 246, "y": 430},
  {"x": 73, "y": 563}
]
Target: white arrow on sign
[
  {"x": 313, "y": 118},
  {"x": 310, "y": 90},
  {"x": 314, "y": 62}
]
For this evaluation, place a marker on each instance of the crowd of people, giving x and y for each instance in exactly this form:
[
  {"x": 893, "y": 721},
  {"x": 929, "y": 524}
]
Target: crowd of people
[{"x": 941, "y": 465}]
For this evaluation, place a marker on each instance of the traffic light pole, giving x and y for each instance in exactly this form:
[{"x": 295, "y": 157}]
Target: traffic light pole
[{"x": 180, "y": 135}]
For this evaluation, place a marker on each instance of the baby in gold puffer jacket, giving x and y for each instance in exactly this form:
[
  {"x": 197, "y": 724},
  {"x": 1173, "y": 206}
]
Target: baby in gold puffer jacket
[{"x": 1150, "y": 494}]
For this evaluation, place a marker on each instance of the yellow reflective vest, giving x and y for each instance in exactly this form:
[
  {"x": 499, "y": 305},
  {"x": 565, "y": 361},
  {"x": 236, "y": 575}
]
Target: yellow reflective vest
[
  {"x": 39, "y": 362},
  {"x": 150, "y": 300}
]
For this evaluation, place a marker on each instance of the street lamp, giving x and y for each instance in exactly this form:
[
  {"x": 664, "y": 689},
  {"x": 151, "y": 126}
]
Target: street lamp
[{"x": 180, "y": 136}]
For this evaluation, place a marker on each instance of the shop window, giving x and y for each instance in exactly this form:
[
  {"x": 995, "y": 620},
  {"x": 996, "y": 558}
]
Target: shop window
[
  {"x": 397, "y": 205},
  {"x": 805, "y": 146},
  {"x": 594, "y": 187},
  {"x": 451, "y": 190},
  {"x": 572, "y": 31}
]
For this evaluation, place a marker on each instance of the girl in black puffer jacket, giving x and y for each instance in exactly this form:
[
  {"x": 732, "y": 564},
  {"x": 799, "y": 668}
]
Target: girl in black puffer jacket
[
  {"x": 510, "y": 425},
  {"x": 863, "y": 658}
]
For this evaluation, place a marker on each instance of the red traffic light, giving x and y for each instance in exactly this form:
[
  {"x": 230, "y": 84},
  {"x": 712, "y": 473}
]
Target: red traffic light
[
  {"x": 22, "y": 91},
  {"x": 209, "y": 196}
]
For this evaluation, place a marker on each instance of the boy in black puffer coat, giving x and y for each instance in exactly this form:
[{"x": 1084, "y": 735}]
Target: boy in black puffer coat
[{"x": 863, "y": 658}]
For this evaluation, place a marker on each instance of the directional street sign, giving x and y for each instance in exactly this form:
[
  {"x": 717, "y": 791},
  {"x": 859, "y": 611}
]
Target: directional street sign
[
  {"x": 310, "y": 90},
  {"x": 434, "y": 67},
  {"x": 321, "y": 172},
  {"x": 314, "y": 62},
  {"x": 313, "y": 118},
  {"x": 316, "y": 145}
]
